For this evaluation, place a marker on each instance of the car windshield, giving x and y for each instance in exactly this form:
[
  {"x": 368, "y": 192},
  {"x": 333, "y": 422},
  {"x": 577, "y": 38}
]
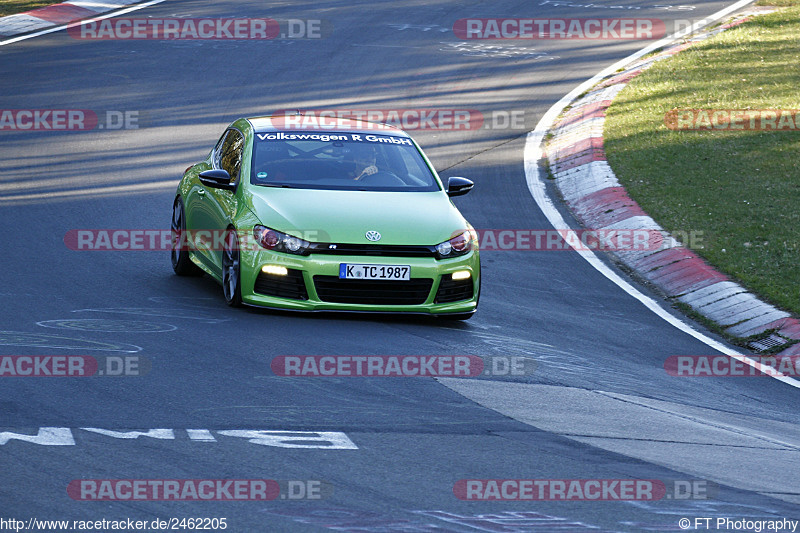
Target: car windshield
[{"x": 344, "y": 161}]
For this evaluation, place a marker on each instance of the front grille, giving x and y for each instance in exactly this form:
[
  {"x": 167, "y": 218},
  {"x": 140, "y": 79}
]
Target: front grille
[
  {"x": 453, "y": 290},
  {"x": 289, "y": 286},
  {"x": 376, "y": 292},
  {"x": 373, "y": 250}
]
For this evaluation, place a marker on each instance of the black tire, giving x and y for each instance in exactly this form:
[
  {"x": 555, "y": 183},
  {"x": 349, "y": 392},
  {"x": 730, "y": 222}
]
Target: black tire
[
  {"x": 231, "y": 267},
  {"x": 181, "y": 262}
]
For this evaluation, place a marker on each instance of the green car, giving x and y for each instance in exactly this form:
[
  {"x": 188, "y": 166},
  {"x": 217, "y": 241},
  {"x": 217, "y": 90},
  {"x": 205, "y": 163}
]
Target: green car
[{"x": 326, "y": 215}]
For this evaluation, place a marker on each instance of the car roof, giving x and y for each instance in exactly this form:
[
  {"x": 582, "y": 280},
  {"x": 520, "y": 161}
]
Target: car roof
[{"x": 310, "y": 122}]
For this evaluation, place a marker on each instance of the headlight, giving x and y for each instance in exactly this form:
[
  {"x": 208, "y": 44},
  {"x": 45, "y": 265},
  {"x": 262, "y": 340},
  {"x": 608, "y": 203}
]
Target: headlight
[
  {"x": 280, "y": 242},
  {"x": 458, "y": 245}
]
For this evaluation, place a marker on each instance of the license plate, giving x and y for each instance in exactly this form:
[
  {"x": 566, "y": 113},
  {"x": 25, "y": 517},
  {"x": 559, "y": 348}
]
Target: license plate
[{"x": 390, "y": 272}]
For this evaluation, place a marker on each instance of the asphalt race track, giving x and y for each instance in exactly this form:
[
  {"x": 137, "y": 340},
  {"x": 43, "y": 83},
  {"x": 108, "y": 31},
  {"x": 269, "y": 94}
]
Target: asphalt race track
[{"x": 598, "y": 406}]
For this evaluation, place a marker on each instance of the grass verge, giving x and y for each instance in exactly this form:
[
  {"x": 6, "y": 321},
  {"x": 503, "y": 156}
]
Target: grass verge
[
  {"x": 10, "y": 7},
  {"x": 740, "y": 189}
]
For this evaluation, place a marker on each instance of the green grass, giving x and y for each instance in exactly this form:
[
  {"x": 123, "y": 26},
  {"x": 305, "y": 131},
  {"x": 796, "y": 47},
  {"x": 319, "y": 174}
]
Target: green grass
[
  {"x": 740, "y": 189},
  {"x": 778, "y": 3},
  {"x": 9, "y": 7}
]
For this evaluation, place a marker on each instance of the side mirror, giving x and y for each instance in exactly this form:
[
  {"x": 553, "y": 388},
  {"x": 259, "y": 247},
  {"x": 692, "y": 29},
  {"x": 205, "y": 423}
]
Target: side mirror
[
  {"x": 458, "y": 186},
  {"x": 217, "y": 179}
]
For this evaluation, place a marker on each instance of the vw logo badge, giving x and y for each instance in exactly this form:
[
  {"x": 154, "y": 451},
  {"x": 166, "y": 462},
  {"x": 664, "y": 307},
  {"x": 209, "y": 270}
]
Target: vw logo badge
[{"x": 373, "y": 236}]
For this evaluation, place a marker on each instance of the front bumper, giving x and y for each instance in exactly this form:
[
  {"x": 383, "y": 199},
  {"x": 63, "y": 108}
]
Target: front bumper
[{"x": 313, "y": 284}]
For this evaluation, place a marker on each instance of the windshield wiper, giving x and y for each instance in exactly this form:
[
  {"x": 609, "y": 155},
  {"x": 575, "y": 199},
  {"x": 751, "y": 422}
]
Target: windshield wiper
[{"x": 281, "y": 185}]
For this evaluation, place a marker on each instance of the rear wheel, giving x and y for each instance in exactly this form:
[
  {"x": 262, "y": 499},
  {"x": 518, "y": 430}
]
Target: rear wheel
[
  {"x": 231, "y": 264},
  {"x": 181, "y": 262}
]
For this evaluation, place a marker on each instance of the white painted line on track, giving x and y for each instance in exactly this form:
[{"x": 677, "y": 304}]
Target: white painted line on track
[
  {"x": 81, "y": 22},
  {"x": 536, "y": 185}
]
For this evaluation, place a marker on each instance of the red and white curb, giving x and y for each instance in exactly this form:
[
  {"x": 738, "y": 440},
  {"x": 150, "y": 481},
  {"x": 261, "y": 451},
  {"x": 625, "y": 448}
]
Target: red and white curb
[
  {"x": 46, "y": 17},
  {"x": 57, "y": 14},
  {"x": 592, "y": 192}
]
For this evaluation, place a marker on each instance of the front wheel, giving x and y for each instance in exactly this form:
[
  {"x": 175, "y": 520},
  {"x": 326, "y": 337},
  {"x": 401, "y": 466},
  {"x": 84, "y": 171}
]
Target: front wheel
[
  {"x": 181, "y": 262},
  {"x": 231, "y": 266}
]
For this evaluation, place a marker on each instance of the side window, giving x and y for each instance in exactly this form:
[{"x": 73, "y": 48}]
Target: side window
[
  {"x": 229, "y": 155},
  {"x": 218, "y": 150}
]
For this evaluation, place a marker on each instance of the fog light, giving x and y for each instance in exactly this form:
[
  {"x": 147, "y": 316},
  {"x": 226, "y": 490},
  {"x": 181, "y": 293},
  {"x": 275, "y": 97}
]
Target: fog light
[
  {"x": 274, "y": 269},
  {"x": 461, "y": 274}
]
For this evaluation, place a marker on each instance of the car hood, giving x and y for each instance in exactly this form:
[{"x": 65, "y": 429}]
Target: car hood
[{"x": 345, "y": 216}]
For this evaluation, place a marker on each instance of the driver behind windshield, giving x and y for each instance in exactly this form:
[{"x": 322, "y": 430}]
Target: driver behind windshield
[{"x": 365, "y": 158}]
